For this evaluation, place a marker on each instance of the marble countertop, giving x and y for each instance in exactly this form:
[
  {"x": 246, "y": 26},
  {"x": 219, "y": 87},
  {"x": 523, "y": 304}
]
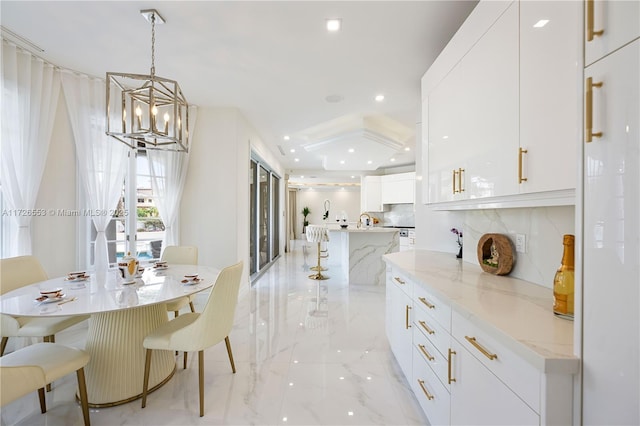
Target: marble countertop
[
  {"x": 370, "y": 230},
  {"x": 517, "y": 313}
]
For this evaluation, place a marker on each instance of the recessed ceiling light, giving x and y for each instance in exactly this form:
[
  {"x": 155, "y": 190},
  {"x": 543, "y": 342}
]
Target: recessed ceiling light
[
  {"x": 379, "y": 98},
  {"x": 286, "y": 138},
  {"x": 353, "y": 177},
  {"x": 541, "y": 23},
  {"x": 292, "y": 150},
  {"x": 407, "y": 149},
  {"x": 351, "y": 150},
  {"x": 445, "y": 137},
  {"x": 392, "y": 160},
  {"x": 302, "y": 177},
  {"x": 296, "y": 159},
  {"x": 369, "y": 162},
  {"x": 341, "y": 161},
  {"x": 334, "y": 24}
]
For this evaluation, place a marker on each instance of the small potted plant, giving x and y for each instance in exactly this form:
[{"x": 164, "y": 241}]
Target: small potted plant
[
  {"x": 305, "y": 212},
  {"x": 459, "y": 234}
]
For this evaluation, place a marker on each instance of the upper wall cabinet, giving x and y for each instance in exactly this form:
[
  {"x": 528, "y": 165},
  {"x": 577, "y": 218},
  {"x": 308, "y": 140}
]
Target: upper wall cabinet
[
  {"x": 501, "y": 107},
  {"x": 473, "y": 116},
  {"x": 370, "y": 194},
  {"x": 398, "y": 188},
  {"x": 550, "y": 91},
  {"x": 609, "y": 25}
]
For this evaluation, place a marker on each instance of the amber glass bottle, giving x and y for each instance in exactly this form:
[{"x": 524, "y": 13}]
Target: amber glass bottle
[{"x": 563, "y": 288}]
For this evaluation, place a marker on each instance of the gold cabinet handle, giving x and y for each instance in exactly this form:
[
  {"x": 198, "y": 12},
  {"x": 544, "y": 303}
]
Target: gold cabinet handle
[
  {"x": 588, "y": 119},
  {"x": 460, "y": 187},
  {"x": 424, "y": 389},
  {"x": 449, "y": 357},
  {"x": 426, "y": 302},
  {"x": 477, "y": 345},
  {"x": 406, "y": 317},
  {"x": 521, "y": 152},
  {"x": 453, "y": 182},
  {"x": 590, "y": 31},
  {"x": 399, "y": 280},
  {"x": 427, "y": 354},
  {"x": 426, "y": 327}
]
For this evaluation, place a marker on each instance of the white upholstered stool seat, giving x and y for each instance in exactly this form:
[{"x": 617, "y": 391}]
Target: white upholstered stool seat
[
  {"x": 33, "y": 367},
  {"x": 317, "y": 234}
]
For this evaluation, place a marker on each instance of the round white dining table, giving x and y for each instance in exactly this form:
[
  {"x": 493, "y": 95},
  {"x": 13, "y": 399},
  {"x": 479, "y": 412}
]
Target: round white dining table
[{"x": 121, "y": 316}]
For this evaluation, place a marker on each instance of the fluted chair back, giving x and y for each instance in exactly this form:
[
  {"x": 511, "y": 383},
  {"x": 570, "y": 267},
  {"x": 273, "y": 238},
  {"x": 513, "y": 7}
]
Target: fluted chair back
[
  {"x": 16, "y": 272},
  {"x": 180, "y": 255}
]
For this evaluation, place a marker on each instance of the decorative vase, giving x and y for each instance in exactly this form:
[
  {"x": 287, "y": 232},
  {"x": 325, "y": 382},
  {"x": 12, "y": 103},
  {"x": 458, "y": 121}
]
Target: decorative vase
[{"x": 459, "y": 255}]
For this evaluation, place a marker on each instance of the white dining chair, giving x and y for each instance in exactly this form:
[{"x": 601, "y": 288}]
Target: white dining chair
[
  {"x": 16, "y": 272},
  {"x": 199, "y": 331},
  {"x": 33, "y": 367},
  {"x": 180, "y": 255}
]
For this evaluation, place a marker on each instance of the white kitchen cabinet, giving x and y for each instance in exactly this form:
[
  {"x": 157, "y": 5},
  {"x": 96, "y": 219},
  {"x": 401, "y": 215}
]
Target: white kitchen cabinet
[
  {"x": 399, "y": 319},
  {"x": 398, "y": 188},
  {"x": 613, "y": 24},
  {"x": 456, "y": 331},
  {"x": 479, "y": 398},
  {"x": 473, "y": 118},
  {"x": 371, "y": 194},
  {"x": 611, "y": 247},
  {"x": 550, "y": 75}
]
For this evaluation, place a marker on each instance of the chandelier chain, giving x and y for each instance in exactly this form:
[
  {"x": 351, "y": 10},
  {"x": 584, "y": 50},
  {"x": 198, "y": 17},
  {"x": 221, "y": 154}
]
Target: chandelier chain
[{"x": 153, "y": 44}]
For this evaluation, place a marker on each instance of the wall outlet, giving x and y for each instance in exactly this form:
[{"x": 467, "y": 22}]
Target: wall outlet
[{"x": 521, "y": 243}]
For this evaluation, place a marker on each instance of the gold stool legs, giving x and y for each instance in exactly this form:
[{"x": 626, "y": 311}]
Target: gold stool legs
[{"x": 318, "y": 275}]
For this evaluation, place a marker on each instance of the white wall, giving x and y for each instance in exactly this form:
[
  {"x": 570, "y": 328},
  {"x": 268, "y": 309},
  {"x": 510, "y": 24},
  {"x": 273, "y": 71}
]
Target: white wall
[
  {"x": 214, "y": 212},
  {"x": 340, "y": 199}
]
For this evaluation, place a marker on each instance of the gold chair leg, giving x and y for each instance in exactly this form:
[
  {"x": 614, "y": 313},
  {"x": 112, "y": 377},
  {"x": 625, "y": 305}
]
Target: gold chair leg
[
  {"x": 318, "y": 275},
  {"x": 145, "y": 384},
  {"x": 3, "y": 345},
  {"x": 201, "y": 380},
  {"x": 193, "y": 308},
  {"x": 82, "y": 390},
  {"x": 184, "y": 361},
  {"x": 228, "y": 343},
  {"x": 43, "y": 402},
  {"x": 176, "y": 313}
]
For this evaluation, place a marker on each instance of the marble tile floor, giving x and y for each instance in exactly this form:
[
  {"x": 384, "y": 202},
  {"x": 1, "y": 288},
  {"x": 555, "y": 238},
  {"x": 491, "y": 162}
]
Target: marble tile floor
[{"x": 307, "y": 353}]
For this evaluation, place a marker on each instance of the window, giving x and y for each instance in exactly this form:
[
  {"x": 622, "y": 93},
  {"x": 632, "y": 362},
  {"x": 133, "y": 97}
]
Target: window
[{"x": 136, "y": 226}]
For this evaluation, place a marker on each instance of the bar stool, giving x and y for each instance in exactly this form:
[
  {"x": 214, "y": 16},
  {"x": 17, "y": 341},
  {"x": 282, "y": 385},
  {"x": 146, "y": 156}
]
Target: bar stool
[{"x": 317, "y": 234}]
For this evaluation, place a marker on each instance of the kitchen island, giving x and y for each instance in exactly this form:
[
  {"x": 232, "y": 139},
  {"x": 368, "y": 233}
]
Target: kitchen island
[{"x": 360, "y": 252}]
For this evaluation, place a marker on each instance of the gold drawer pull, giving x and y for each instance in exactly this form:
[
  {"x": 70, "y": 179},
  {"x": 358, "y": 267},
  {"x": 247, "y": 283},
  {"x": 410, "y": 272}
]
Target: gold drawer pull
[
  {"x": 453, "y": 181},
  {"x": 427, "y": 354},
  {"x": 460, "y": 188},
  {"x": 588, "y": 114},
  {"x": 449, "y": 359},
  {"x": 426, "y": 327},
  {"x": 399, "y": 280},
  {"x": 590, "y": 31},
  {"x": 426, "y": 392},
  {"x": 426, "y": 302},
  {"x": 477, "y": 345},
  {"x": 406, "y": 317},
  {"x": 520, "y": 153}
]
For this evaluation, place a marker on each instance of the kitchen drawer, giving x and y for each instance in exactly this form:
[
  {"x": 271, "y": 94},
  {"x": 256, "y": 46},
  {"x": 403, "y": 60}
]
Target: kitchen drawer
[
  {"x": 432, "y": 329},
  {"x": 510, "y": 368},
  {"x": 431, "y": 395},
  {"x": 433, "y": 305},
  {"x": 401, "y": 280},
  {"x": 431, "y": 356}
]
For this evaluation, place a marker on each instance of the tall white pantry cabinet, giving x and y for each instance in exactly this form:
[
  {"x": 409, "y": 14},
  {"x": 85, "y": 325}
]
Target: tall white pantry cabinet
[{"x": 611, "y": 215}]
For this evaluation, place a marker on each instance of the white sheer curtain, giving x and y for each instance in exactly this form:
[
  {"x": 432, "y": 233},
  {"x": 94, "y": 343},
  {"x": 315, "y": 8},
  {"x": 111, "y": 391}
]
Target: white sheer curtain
[
  {"x": 30, "y": 90},
  {"x": 168, "y": 173},
  {"x": 102, "y": 160}
]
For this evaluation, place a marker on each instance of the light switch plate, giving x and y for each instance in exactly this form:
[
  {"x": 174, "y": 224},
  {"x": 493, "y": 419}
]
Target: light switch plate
[{"x": 521, "y": 243}]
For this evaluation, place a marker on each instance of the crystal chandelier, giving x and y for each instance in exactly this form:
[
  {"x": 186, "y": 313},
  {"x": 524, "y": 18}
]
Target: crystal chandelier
[{"x": 147, "y": 110}]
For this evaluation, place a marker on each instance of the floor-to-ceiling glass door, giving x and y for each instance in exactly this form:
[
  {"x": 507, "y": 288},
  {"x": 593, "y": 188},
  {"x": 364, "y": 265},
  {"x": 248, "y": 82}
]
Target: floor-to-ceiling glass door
[{"x": 264, "y": 239}]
